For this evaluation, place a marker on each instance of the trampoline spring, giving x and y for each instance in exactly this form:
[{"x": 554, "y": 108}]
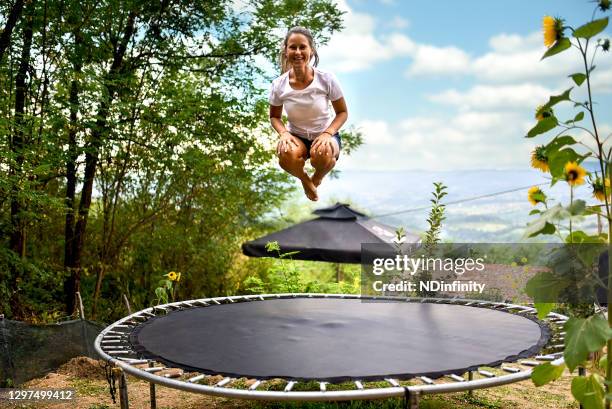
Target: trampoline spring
[
  {"x": 289, "y": 386},
  {"x": 392, "y": 381},
  {"x": 486, "y": 373},
  {"x": 120, "y": 352},
  {"x": 261, "y": 298},
  {"x": 323, "y": 386},
  {"x": 133, "y": 361},
  {"x": 510, "y": 369},
  {"x": 456, "y": 378},
  {"x": 546, "y": 357},
  {"x": 196, "y": 378},
  {"x": 426, "y": 380},
  {"x": 224, "y": 382},
  {"x": 557, "y": 346},
  {"x": 112, "y": 341},
  {"x": 530, "y": 363},
  {"x": 154, "y": 369},
  {"x": 255, "y": 385},
  {"x": 359, "y": 385}
]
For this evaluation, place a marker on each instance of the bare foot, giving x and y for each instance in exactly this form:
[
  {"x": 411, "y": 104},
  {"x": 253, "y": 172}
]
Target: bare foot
[
  {"x": 310, "y": 189},
  {"x": 316, "y": 180}
]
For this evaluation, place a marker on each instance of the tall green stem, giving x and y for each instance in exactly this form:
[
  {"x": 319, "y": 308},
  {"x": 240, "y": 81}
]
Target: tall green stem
[{"x": 601, "y": 158}]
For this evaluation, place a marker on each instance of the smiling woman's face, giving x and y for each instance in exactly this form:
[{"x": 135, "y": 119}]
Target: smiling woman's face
[{"x": 298, "y": 50}]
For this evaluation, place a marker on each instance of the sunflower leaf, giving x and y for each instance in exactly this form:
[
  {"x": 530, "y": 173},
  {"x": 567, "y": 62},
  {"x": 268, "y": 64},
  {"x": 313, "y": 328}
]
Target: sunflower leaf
[
  {"x": 542, "y": 126},
  {"x": 558, "y": 158},
  {"x": 538, "y": 227},
  {"x": 603, "y": 362},
  {"x": 555, "y": 99},
  {"x": 543, "y": 309},
  {"x": 558, "y": 143},
  {"x": 544, "y": 287},
  {"x": 592, "y": 28},
  {"x": 561, "y": 45},
  {"x": 577, "y": 207},
  {"x": 578, "y": 78},
  {"x": 589, "y": 391},
  {"x": 584, "y": 335},
  {"x": 546, "y": 373},
  {"x": 579, "y": 117},
  {"x": 534, "y": 211}
]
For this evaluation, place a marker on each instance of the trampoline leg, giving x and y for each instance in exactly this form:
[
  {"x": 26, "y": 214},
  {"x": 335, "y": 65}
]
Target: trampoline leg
[
  {"x": 471, "y": 378},
  {"x": 123, "y": 394},
  {"x": 413, "y": 403},
  {"x": 152, "y": 389}
]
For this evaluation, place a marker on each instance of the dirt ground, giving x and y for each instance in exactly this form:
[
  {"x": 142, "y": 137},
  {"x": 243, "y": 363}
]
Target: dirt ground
[{"x": 86, "y": 377}]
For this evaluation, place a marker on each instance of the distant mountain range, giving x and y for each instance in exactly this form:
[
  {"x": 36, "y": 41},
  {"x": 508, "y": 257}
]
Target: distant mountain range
[{"x": 483, "y": 205}]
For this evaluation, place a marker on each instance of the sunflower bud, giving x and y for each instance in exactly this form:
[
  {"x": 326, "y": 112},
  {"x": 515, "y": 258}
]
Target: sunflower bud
[
  {"x": 535, "y": 195},
  {"x": 606, "y": 45},
  {"x": 604, "y": 5},
  {"x": 539, "y": 160}
]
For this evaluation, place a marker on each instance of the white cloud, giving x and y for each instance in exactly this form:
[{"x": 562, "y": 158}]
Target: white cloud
[
  {"x": 467, "y": 140},
  {"x": 488, "y": 97},
  {"x": 376, "y": 132},
  {"x": 430, "y": 60},
  {"x": 398, "y": 23},
  {"x": 358, "y": 48}
]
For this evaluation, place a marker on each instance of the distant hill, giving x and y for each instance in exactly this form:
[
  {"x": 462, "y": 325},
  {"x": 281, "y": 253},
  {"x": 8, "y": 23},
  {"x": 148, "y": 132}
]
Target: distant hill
[{"x": 489, "y": 217}]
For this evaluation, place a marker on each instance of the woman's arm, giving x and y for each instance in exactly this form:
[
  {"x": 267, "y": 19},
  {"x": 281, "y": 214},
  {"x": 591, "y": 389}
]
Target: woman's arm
[
  {"x": 286, "y": 142},
  {"x": 340, "y": 118},
  {"x": 323, "y": 141}
]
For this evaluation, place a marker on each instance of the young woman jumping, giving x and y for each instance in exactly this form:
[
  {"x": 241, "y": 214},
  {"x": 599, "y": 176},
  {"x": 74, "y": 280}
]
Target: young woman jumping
[{"x": 305, "y": 93}]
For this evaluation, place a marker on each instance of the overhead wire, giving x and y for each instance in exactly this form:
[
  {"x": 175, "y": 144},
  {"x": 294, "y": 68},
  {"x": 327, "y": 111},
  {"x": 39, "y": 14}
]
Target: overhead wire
[{"x": 468, "y": 199}]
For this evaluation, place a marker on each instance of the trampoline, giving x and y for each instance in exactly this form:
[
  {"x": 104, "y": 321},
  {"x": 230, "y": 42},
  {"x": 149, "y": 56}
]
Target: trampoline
[{"x": 247, "y": 343}]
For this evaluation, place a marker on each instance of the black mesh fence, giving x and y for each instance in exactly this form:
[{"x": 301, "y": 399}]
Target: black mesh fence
[{"x": 28, "y": 351}]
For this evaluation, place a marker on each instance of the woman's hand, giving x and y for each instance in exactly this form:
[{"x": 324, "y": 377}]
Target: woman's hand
[
  {"x": 323, "y": 144},
  {"x": 286, "y": 143}
]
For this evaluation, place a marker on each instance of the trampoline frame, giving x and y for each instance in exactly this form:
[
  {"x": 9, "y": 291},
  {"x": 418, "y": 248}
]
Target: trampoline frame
[{"x": 112, "y": 346}]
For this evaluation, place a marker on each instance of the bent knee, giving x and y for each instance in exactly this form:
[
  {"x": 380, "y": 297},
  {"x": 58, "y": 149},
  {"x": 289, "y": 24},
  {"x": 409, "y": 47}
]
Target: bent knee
[
  {"x": 293, "y": 156},
  {"x": 321, "y": 160}
]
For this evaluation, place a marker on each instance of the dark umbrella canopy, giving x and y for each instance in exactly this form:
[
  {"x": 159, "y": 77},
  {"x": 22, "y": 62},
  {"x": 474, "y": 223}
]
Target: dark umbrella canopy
[{"x": 335, "y": 236}]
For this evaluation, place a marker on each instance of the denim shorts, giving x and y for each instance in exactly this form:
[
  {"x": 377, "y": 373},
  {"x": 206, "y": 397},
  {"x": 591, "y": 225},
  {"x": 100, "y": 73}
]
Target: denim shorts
[{"x": 308, "y": 144}]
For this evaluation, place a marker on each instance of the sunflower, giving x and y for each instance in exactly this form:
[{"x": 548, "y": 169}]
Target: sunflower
[
  {"x": 599, "y": 192},
  {"x": 553, "y": 30},
  {"x": 172, "y": 276},
  {"x": 535, "y": 195},
  {"x": 574, "y": 173},
  {"x": 543, "y": 112},
  {"x": 539, "y": 160},
  {"x": 604, "y": 5}
]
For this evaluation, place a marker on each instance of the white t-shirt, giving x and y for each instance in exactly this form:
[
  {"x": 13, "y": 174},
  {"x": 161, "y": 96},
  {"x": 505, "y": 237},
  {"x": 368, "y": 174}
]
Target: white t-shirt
[{"x": 308, "y": 109}]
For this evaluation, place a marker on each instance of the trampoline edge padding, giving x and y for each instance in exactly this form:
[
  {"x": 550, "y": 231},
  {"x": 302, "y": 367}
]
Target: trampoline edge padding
[{"x": 337, "y": 339}]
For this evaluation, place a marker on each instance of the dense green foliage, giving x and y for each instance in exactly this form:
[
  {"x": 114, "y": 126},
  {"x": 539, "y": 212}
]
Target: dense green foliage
[{"x": 134, "y": 141}]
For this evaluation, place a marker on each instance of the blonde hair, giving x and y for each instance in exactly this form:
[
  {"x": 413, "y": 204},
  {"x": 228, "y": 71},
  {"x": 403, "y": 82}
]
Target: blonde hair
[{"x": 283, "y": 55}]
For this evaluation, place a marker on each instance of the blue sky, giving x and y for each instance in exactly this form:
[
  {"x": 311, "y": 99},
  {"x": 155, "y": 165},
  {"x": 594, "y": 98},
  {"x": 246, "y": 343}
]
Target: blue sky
[{"x": 453, "y": 85}]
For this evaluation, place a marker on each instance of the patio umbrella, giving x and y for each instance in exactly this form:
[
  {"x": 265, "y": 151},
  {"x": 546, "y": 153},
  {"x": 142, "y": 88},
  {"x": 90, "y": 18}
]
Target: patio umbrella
[{"x": 335, "y": 236}]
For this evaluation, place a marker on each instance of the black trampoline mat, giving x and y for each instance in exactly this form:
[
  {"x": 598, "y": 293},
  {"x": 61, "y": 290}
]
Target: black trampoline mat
[{"x": 336, "y": 339}]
